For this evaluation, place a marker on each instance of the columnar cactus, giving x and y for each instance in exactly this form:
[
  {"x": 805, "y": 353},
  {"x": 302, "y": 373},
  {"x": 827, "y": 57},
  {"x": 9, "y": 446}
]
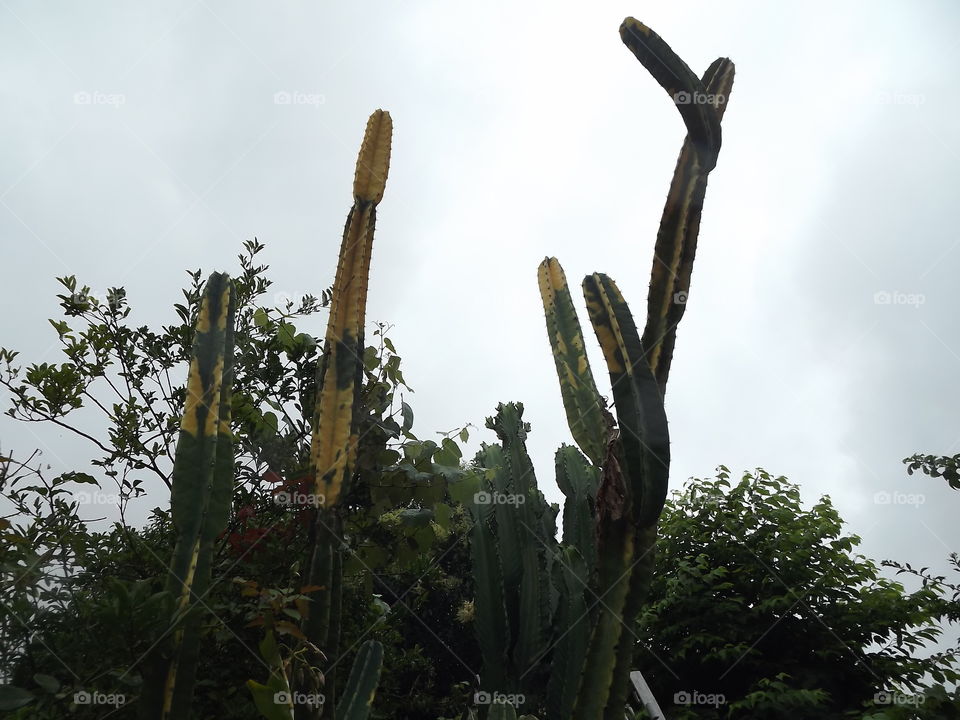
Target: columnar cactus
[
  {"x": 334, "y": 443},
  {"x": 615, "y": 490},
  {"x": 701, "y": 104},
  {"x": 199, "y": 500},
  {"x": 513, "y": 542}
]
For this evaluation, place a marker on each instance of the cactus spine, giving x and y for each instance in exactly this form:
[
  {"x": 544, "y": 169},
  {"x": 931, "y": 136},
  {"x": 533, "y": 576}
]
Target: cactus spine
[{"x": 200, "y": 498}]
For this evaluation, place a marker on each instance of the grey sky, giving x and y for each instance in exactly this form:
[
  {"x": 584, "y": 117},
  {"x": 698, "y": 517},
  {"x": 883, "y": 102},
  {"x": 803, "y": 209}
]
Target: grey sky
[{"x": 140, "y": 142}]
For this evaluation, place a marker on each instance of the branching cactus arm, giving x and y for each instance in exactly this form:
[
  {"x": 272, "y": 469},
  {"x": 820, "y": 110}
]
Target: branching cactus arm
[{"x": 701, "y": 103}]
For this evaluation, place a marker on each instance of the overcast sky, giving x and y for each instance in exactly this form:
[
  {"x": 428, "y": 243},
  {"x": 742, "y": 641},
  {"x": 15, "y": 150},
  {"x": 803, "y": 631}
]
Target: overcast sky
[{"x": 138, "y": 142}]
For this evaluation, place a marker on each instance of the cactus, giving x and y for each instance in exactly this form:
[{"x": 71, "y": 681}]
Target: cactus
[
  {"x": 513, "y": 544},
  {"x": 339, "y": 375},
  {"x": 574, "y": 623},
  {"x": 334, "y": 445},
  {"x": 629, "y": 500},
  {"x": 598, "y": 577},
  {"x": 362, "y": 684},
  {"x": 578, "y": 481},
  {"x": 199, "y": 500},
  {"x": 584, "y": 407},
  {"x": 676, "y": 244}
]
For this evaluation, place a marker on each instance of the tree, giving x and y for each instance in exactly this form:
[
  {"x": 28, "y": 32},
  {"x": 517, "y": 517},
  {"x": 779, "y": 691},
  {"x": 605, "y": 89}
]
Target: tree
[
  {"x": 760, "y": 608},
  {"x": 82, "y": 607}
]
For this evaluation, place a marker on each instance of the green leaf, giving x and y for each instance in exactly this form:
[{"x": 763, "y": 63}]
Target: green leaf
[
  {"x": 388, "y": 457},
  {"x": 451, "y": 447},
  {"x": 407, "y": 412},
  {"x": 264, "y": 697},
  {"x": 463, "y": 489},
  {"x": 260, "y": 318},
  {"x": 272, "y": 422},
  {"x": 12, "y": 697},
  {"x": 446, "y": 458},
  {"x": 416, "y": 517},
  {"x": 61, "y": 327},
  {"x": 79, "y": 477},
  {"x": 285, "y": 335},
  {"x": 47, "y": 682},
  {"x": 442, "y": 513}
]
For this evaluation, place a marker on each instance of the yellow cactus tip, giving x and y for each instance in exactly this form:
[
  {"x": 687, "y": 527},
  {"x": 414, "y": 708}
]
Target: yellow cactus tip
[
  {"x": 632, "y": 25},
  {"x": 373, "y": 163}
]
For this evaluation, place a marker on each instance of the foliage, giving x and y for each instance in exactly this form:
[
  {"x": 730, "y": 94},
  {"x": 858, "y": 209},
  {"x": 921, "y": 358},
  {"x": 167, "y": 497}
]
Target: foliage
[
  {"x": 68, "y": 581},
  {"x": 765, "y": 605},
  {"x": 943, "y": 466}
]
